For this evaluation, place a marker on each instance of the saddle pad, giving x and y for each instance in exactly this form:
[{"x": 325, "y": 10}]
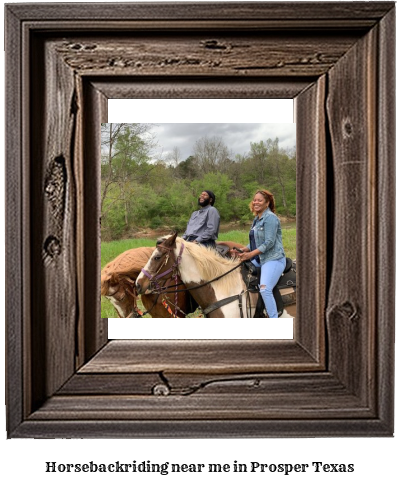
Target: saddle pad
[
  {"x": 251, "y": 274},
  {"x": 288, "y": 279}
]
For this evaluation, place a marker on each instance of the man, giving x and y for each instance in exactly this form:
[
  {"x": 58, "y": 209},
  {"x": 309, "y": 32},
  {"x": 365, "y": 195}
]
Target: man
[{"x": 203, "y": 227}]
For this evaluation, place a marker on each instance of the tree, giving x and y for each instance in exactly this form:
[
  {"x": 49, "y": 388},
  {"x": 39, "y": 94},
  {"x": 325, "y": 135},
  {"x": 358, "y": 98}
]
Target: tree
[
  {"x": 126, "y": 150},
  {"x": 284, "y": 170},
  {"x": 141, "y": 190},
  {"x": 174, "y": 157},
  {"x": 187, "y": 169},
  {"x": 109, "y": 135},
  {"x": 211, "y": 154},
  {"x": 259, "y": 157},
  {"x": 275, "y": 170}
]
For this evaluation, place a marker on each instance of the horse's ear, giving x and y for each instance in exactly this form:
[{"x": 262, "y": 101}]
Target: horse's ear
[{"x": 170, "y": 242}]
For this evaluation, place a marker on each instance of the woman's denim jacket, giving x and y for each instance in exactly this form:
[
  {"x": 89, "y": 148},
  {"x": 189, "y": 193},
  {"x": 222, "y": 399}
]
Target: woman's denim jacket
[{"x": 268, "y": 237}]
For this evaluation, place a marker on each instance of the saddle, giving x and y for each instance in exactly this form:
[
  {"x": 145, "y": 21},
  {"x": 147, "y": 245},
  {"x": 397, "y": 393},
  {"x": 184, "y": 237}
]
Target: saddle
[
  {"x": 223, "y": 250},
  {"x": 251, "y": 276}
]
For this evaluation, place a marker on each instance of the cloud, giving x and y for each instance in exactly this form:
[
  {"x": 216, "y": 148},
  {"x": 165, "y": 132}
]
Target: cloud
[{"x": 236, "y": 136}]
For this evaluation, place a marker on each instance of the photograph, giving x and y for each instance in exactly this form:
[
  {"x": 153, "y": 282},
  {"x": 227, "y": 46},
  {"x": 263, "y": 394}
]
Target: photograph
[{"x": 153, "y": 193}]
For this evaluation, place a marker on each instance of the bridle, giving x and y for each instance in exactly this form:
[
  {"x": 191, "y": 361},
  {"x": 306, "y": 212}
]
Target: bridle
[
  {"x": 175, "y": 273},
  {"x": 174, "y": 270},
  {"x": 127, "y": 290}
]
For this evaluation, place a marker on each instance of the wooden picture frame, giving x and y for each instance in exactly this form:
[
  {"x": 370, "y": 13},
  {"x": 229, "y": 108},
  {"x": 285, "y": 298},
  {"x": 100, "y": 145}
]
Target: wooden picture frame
[{"x": 335, "y": 378}]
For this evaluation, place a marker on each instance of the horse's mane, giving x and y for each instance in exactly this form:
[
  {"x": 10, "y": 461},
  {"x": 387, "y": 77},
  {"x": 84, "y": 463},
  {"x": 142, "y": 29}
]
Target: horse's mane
[
  {"x": 210, "y": 264},
  {"x": 126, "y": 265}
]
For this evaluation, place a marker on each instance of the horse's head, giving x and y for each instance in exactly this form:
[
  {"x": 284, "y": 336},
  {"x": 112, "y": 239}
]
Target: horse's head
[
  {"x": 161, "y": 264},
  {"x": 121, "y": 292}
]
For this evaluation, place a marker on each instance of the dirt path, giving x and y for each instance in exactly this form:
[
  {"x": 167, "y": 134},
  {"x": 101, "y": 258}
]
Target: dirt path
[{"x": 224, "y": 228}]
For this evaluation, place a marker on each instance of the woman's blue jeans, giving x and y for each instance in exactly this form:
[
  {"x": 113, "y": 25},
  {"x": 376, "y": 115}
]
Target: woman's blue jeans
[{"x": 269, "y": 275}]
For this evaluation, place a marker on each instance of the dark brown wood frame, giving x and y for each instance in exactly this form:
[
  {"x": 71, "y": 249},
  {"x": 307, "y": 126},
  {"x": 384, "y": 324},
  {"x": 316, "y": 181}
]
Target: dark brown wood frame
[{"x": 64, "y": 378}]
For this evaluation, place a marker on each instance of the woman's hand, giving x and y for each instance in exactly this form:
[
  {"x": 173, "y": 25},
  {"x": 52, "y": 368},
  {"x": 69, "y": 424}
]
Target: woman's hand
[
  {"x": 247, "y": 255},
  {"x": 238, "y": 252}
]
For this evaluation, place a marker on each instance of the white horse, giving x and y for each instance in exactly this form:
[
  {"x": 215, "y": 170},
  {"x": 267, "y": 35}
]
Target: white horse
[{"x": 214, "y": 282}]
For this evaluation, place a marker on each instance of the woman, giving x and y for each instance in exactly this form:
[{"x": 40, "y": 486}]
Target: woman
[{"x": 265, "y": 247}]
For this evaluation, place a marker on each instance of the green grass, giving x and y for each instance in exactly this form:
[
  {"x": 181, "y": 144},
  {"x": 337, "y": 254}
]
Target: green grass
[
  {"x": 107, "y": 310},
  {"x": 110, "y": 250}
]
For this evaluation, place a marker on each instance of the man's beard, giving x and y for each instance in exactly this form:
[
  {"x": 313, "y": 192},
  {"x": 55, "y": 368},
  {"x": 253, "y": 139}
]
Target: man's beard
[{"x": 203, "y": 203}]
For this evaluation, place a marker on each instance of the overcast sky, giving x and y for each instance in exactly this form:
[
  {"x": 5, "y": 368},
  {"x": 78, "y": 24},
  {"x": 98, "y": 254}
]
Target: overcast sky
[{"x": 236, "y": 136}]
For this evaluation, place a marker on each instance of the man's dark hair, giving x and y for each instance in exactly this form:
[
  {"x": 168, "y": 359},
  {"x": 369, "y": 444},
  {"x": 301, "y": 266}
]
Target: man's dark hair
[{"x": 211, "y": 195}]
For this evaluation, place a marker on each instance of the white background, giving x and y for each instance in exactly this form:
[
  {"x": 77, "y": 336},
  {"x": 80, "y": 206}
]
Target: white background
[{"x": 23, "y": 461}]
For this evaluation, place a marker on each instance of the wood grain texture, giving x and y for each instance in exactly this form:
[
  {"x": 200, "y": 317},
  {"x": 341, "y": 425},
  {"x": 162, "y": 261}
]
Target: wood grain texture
[
  {"x": 185, "y": 384},
  {"x": 64, "y": 63},
  {"x": 200, "y": 356},
  {"x": 203, "y": 407},
  {"x": 312, "y": 217},
  {"x": 137, "y": 87},
  {"x": 192, "y": 428},
  {"x": 241, "y": 54},
  {"x": 109, "y": 384},
  {"x": 78, "y": 175},
  {"x": 208, "y": 11},
  {"x": 277, "y": 396},
  {"x": 53, "y": 195},
  {"x": 351, "y": 109},
  {"x": 385, "y": 223},
  {"x": 15, "y": 207},
  {"x": 95, "y": 329}
]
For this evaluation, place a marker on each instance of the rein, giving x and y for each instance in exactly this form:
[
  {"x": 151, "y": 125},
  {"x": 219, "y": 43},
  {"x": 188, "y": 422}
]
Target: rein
[
  {"x": 159, "y": 290},
  {"x": 205, "y": 283},
  {"x": 139, "y": 313},
  {"x": 136, "y": 313},
  {"x": 175, "y": 266},
  {"x": 155, "y": 277}
]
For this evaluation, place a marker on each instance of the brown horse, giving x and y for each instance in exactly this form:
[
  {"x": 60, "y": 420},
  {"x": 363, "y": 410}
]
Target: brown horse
[{"x": 118, "y": 285}]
